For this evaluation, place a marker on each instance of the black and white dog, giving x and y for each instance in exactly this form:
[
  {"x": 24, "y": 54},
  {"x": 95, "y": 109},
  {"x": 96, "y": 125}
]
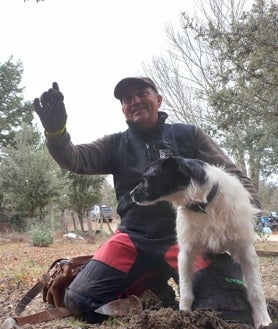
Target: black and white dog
[{"x": 214, "y": 213}]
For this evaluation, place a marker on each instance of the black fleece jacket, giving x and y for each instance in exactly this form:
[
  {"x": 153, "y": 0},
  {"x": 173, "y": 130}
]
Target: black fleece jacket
[{"x": 125, "y": 155}]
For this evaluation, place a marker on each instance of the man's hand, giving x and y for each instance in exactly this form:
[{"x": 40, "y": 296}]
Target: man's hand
[{"x": 51, "y": 110}]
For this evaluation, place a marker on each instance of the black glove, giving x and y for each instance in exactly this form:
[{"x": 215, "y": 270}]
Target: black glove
[{"x": 51, "y": 110}]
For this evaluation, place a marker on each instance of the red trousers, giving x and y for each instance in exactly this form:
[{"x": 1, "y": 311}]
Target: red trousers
[
  {"x": 123, "y": 266},
  {"x": 123, "y": 253}
]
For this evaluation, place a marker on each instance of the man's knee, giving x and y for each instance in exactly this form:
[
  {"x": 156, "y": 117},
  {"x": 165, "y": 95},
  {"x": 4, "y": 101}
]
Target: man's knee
[{"x": 82, "y": 307}]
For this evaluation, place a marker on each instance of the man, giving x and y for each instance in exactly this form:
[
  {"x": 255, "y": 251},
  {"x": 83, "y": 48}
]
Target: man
[{"x": 142, "y": 254}]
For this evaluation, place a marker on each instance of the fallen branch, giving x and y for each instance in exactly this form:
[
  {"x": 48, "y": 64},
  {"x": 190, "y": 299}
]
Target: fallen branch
[{"x": 266, "y": 253}]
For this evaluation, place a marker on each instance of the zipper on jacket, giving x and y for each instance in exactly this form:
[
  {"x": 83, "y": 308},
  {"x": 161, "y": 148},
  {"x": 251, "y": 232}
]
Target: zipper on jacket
[{"x": 149, "y": 152}]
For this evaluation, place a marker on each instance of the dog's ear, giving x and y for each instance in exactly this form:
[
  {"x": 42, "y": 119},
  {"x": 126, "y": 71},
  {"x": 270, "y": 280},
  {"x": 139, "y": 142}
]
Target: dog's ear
[
  {"x": 175, "y": 164},
  {"x": 187, "y": 168},
  {"x": 183, "y": 166},
  {"x": 170, "y": 164}
]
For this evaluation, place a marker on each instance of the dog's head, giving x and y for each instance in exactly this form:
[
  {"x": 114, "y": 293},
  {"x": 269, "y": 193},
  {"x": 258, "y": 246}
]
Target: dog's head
[{"x": 166, "y": 177}]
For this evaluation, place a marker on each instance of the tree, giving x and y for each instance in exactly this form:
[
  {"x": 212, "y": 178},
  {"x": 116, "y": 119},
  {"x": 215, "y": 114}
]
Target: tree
[
  {"x": 269, "y": 196},
  {"x": 244, "y": 94},
  {"x": 84, "y": 191},
  {"x": 220, "y": 73},
  {"x": 108, "y": 196},
  {"x": 29, "y": 178},
  {"x": 13, "y": 110}
]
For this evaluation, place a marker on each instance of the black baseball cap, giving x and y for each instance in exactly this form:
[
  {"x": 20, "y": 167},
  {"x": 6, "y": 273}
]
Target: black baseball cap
[{"x": 127, "y": 83}]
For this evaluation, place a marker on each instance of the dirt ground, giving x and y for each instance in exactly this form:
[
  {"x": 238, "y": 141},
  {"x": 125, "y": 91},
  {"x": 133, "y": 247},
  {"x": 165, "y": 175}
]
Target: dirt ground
[{"x": 22, "y": 264}]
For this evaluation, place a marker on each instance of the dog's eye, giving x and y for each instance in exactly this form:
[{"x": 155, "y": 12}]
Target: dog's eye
[
  {"x": 147, "y": 179},
  {"x": 151, "y": 180}
]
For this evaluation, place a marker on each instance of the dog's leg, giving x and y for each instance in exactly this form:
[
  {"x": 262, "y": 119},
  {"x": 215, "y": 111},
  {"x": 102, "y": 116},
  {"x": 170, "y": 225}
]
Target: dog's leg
[
  {"x": 249, "y": 263},
  {"x": 185, "y": 261}
]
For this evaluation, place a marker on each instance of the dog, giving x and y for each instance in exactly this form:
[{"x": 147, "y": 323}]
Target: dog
[{"x": 214, "y": 213}]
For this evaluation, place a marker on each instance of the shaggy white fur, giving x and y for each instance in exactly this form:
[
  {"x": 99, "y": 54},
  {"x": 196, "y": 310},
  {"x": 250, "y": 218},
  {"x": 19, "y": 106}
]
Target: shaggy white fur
[{"x": 227, "y": 226}]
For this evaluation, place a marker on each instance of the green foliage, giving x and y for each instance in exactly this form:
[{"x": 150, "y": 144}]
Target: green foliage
[
  {"x": 41, "y": 237},
  {"x": 108, "y": 196},
  {"x": 269, "y": 197},
  {"x": 221, "y": 73},
  {"x": 244, "y": 93},
  {"x": 29, "y": 178},
  {"x": 31, "y": 181},
  {"x": 13, "y": 110},
  {"x": 84, "y": 191}
]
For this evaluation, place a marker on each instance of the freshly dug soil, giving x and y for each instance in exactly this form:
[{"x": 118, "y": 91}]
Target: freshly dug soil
[
  {"x": 17, "y": 275},
  {"x": 168, "y": 318}
]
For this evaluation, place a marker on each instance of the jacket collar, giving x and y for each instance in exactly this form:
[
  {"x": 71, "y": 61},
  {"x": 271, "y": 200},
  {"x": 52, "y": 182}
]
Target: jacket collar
[{"x": 156, "y": 131}]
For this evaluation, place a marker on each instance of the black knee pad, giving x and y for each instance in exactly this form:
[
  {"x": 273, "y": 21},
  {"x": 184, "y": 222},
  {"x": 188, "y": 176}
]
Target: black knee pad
[{"x": 220, "y": 287}]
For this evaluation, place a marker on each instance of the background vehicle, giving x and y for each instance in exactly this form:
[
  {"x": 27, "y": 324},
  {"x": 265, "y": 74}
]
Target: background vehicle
[
  {"x": 270, "y": 222},
  {"x": 103, "y": 212}
]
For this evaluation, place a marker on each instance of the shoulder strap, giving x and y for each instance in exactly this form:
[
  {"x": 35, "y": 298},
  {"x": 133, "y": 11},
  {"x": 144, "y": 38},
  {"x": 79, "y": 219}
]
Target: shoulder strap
[
  {"x": 44, "y": 280},
  {"x": 47, "y": 315},
  {"x": 28, "y": 297}
]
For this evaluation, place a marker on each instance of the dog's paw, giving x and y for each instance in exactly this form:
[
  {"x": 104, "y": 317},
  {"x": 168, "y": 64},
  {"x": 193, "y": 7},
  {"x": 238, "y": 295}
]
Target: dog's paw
[
  {"x": 9, "y": 323},
  {"x": 262, "y": 321},
  {"x": 185, "y": 305},
  {"x": 270, "y": 326}
]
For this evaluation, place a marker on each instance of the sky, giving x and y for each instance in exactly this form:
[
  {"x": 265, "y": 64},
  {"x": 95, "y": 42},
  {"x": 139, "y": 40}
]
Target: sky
[{"x": 87, "y": 46}]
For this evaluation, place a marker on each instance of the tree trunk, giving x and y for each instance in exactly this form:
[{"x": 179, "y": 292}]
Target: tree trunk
[
  {"x": 64, "y": 221},
  {"x": 80, "y": 217},
  {"x": 89, "y": 224},
  {"x": 74, "y": 222},
  {"x": 254, "y": 168},
  {"x": 239, "y": 160}
]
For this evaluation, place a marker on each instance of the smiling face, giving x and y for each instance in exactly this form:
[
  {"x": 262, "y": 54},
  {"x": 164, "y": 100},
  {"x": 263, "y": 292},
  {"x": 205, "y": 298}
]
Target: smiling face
[{"x": 140, "y": 105}]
